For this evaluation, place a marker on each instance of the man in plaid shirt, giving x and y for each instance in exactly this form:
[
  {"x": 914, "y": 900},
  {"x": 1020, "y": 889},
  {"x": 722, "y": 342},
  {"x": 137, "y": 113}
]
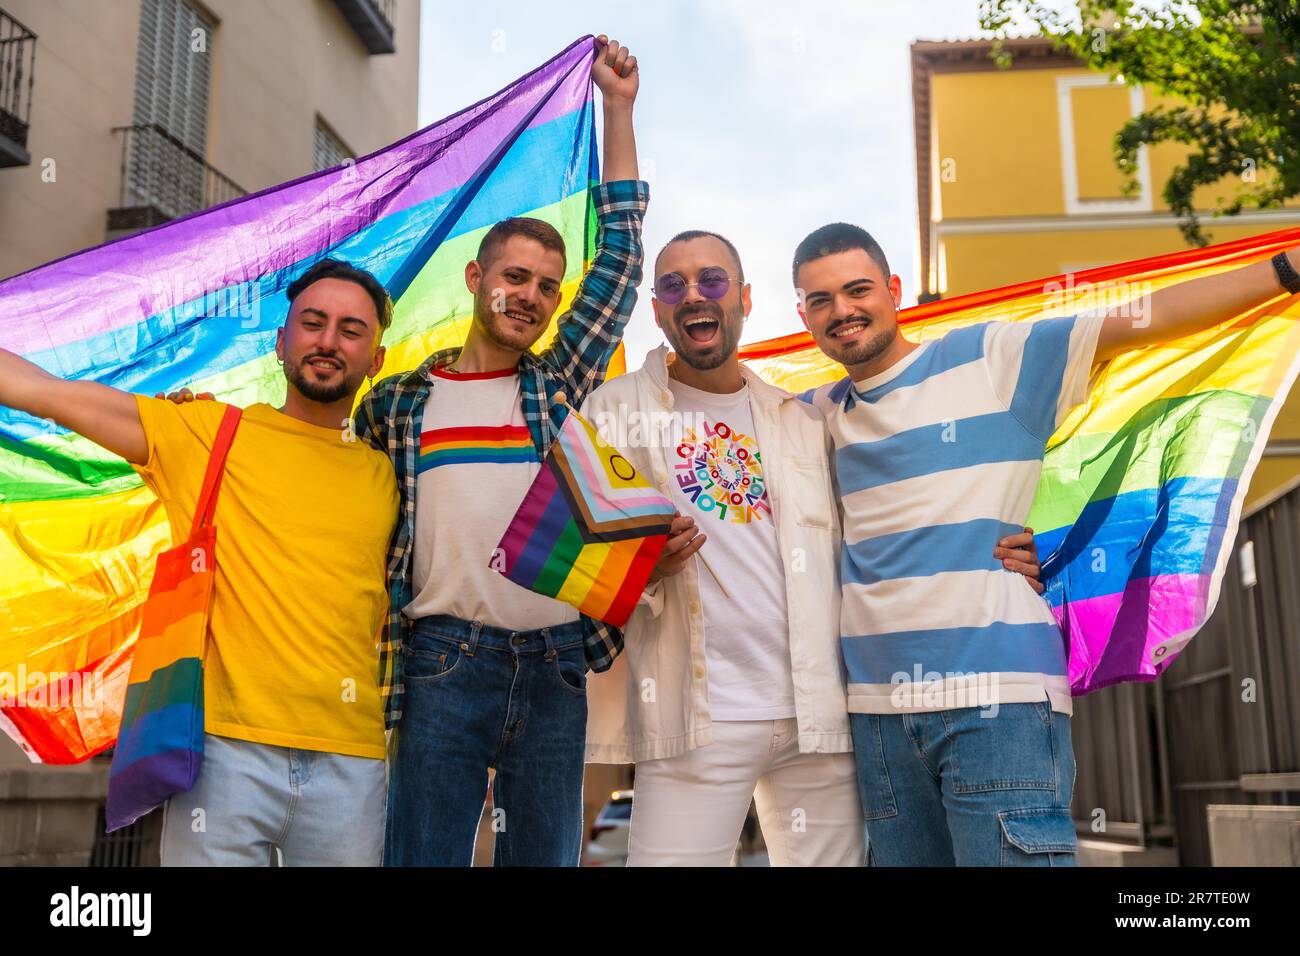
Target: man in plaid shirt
[{"x": 477, "y": 672}]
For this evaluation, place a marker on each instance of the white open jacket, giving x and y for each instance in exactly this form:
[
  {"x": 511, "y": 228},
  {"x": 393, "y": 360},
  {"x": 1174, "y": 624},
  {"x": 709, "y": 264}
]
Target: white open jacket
[{"x": 654, "y": 701}]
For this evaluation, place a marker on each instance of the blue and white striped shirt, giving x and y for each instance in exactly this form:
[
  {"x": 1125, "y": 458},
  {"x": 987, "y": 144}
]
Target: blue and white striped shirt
[{"x": 936, "y": 458}]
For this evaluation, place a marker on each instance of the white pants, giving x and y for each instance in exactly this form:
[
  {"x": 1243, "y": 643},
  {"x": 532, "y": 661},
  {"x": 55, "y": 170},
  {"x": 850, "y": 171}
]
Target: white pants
[{"x": 689, "y": 810}]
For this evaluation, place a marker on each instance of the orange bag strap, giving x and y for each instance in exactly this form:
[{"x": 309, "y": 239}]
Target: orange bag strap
[{"x": 207, "y": 505}]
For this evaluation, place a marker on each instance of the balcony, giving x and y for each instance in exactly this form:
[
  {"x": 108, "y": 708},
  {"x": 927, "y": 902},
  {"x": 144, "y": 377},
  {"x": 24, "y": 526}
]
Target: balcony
[
  {"x": 17, "y": 62},
  {"x": 372, "y": 21},
  {"x": 163, "y": 179}
]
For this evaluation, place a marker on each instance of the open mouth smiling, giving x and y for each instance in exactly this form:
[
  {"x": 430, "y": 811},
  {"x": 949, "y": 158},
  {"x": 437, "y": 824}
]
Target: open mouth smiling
[{"x": 701, "y": 328}]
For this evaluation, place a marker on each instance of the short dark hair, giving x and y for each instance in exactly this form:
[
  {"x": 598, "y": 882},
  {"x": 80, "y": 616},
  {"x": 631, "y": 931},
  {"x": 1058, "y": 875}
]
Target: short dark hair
[
  {"x": 690, "y": 234},
  {"x": 837, "y": 237},
  {"x": 535, "y": 229},
  {"x": 338, "y": 269}
]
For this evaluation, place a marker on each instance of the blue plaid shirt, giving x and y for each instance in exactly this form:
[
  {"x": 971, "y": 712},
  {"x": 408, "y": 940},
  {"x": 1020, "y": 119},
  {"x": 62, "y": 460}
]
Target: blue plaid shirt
[{"x": 574, "y": 365}]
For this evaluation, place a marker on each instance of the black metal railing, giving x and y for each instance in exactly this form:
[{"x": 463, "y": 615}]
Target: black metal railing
[
  {"x": 17, "y": 73},
  {"x": 372, "y": 21},
  {"x": 162, "y": 179},
  {"x": 121, "y": 847}
]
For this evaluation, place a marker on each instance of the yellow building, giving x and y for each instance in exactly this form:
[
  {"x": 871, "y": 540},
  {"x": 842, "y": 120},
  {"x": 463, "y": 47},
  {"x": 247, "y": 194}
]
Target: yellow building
[{"x": 1016, "y": 180}]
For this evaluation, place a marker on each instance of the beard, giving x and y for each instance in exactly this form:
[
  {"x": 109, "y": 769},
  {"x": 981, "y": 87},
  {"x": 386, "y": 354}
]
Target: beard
[
  {"x": 874, "y": 344},
  {"x": 326, "y": 394},
  {"x": 492, "y": 324},
  {"x": 712, "y": 356}
]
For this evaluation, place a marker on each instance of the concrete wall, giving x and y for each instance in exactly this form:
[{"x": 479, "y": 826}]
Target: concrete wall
[
  {"x": 276, "y": 66},
  {"x": 47, "y": 816},
  {"x": 1254, "y": 836},
  {"x": 84, "y": 75}
]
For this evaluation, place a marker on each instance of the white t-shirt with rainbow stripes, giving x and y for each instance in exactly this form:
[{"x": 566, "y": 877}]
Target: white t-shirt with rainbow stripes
[{"x": 477, "y": 462}]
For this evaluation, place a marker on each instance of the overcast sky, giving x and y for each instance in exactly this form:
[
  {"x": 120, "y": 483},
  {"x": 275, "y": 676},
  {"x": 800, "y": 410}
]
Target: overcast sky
[{"x": 758, "y": 119}]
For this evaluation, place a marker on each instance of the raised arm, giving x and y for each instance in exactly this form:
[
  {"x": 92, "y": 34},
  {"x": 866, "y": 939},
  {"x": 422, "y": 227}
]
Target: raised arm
[
  {"x": 1191, "y": 306},
  {"x": 589, "y": 332},
  {"x": 107, "y": 416},
  {"x": 615, "y": 73}
]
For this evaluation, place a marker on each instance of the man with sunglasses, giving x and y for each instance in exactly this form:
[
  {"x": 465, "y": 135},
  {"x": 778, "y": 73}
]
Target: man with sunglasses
[
  {"x": 729, "y": 688},
  {"x": 483, "y": 674}
]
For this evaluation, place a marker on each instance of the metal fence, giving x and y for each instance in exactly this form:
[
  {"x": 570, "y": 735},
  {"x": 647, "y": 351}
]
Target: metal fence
[{"x": 122, "y": 847}]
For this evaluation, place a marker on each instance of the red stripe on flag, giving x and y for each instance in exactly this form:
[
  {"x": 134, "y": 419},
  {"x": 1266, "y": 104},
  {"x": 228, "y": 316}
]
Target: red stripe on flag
[{"x": 638, "y": 574}]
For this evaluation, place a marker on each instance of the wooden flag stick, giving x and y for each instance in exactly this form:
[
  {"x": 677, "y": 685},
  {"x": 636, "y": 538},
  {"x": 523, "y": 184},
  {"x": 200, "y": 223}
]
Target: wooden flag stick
[{"x": 717, "y": 580}]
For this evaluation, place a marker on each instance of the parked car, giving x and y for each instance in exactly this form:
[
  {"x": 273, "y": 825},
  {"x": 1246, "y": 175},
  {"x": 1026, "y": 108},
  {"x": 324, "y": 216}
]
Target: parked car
[{"x": 608, "y": 843}]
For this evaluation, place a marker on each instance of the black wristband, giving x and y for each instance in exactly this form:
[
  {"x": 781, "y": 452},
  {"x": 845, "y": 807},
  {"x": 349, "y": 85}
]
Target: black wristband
[{"x": 1286, "y": 273}]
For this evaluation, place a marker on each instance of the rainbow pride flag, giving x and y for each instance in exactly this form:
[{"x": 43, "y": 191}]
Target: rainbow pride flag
[
  {"x": 196, "y": 303},
  {"x": 590, "y": 528},
  {"x": 1142, "y": 488}
]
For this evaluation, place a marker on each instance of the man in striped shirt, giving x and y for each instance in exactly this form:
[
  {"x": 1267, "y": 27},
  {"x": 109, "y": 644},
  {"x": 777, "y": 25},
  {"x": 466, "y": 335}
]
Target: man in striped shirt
[{"x": 958, "y": 692}]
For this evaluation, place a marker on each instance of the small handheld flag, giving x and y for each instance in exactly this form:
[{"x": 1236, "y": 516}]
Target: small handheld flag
[{"x": 590, "y": 529}]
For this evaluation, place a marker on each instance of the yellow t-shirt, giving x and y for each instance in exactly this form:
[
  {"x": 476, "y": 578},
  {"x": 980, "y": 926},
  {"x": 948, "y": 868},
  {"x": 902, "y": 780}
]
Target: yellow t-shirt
[{"x": 303, "y": 523}]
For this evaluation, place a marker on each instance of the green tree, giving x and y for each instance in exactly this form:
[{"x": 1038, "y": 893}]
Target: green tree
[{"x": 1233, "y": 64}]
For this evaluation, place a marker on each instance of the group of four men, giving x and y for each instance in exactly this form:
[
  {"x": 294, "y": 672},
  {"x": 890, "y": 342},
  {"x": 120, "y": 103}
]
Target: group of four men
[{"x": 865, "y": 644}]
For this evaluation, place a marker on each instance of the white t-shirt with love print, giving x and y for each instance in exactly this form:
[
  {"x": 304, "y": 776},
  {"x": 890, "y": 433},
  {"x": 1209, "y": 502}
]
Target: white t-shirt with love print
[{"x": 717, "y": 479}]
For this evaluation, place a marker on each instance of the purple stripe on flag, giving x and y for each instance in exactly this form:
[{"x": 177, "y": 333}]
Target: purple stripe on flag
[
  {"x": 542, "y": 541},
  {"x": 210, "y": 250},
  {"x": 515, "y": 541},
  {"x": 146, "y": 783}
]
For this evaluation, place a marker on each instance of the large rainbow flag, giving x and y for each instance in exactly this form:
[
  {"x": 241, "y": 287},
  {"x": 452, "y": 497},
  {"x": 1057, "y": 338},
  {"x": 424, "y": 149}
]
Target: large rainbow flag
[
  {"x": 1140, "y": 496},
  {"x": 196, "y": 303},
  {"x": 1142, "y": 488},
  {"x": 590, "y": 528}
]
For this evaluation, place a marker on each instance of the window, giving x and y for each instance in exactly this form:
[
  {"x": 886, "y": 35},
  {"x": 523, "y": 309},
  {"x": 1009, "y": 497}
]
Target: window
[
  {"x": 329, "y": 150},
  {"x": 172, "y": 87},
  {"x": 1091, "y": 109}
]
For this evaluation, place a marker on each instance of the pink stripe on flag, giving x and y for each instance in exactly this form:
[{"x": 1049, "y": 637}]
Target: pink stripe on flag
[
  {"x": 578, "y": 448},
  {"x": 1102, "y": 653}
]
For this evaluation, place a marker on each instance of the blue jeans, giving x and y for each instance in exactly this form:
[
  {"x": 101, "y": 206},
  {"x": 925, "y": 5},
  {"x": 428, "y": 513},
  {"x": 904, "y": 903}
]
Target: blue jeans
[
  {"x": 963, "y": 787},
  {"x": 258, "y": 804},
  {"x": 477, "y": 697}
]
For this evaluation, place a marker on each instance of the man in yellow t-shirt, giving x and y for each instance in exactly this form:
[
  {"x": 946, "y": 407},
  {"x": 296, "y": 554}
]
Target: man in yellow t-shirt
[{"x": 294, "y": 745}]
